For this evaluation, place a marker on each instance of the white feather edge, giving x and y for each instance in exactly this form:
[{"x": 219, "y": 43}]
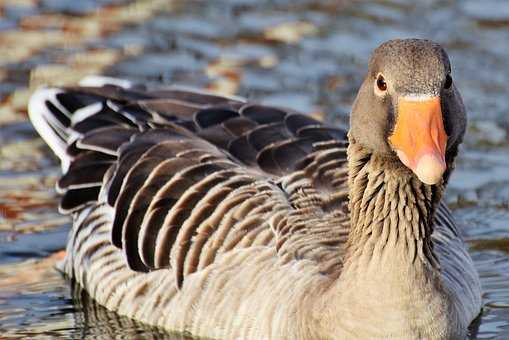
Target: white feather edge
[
  {"x": 86, "y": 112},
  {"x": 38, "y": 111}
]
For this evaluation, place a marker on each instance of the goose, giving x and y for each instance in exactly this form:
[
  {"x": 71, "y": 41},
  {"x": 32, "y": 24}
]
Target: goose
[{"x": 224, "y": 218}]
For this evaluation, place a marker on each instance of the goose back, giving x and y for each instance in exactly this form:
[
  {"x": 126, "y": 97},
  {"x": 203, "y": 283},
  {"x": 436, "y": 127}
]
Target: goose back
[{"x": 189, "y": 175}]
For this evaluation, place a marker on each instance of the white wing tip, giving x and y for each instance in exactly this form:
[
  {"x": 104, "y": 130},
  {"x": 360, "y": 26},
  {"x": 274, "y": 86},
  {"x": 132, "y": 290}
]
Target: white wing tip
[
  {"x": 98, "y": 81},
  {"x": 38, "y": 113}
]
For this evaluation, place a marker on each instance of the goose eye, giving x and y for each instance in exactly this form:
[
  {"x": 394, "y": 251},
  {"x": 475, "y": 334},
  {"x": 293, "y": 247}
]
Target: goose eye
[
  {"x": 380, "y": 83},
  {"x": 448, "y": 82}
]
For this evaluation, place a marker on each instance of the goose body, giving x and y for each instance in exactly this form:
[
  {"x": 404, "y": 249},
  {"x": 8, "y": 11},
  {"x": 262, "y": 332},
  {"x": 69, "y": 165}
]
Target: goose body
[{"x": 227, "y": 219}]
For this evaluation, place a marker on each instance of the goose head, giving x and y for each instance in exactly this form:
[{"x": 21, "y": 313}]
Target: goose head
[{"x": 409, "y": 109}]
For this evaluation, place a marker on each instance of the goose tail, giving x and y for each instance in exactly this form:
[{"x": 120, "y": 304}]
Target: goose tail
[{"x": 53, "y": 112}]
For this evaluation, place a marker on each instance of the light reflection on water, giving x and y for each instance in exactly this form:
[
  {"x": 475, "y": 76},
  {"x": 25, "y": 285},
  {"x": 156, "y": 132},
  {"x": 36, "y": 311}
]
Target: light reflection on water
[{"x": 304, "y": 54}]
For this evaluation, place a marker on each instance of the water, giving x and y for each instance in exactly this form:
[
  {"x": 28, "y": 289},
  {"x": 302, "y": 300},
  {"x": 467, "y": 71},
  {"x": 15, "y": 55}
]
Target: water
[{"x": 306, "y": 55}]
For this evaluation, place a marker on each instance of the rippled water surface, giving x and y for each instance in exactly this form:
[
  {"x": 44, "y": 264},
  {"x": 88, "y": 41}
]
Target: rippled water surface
[{"x": 304, "y": 54}]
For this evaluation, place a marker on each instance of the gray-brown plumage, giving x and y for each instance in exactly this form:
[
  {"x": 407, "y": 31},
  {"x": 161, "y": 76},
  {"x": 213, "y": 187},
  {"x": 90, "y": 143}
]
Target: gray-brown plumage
[{"x": 227, "y": 219}]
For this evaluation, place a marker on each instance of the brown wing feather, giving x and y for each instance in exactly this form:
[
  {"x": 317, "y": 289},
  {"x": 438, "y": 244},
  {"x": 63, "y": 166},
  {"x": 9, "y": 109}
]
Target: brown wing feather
[{"x": 193, "y": 175}]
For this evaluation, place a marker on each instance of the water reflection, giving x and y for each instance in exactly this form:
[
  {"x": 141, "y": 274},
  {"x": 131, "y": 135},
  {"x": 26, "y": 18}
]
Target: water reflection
[
  {"x": 95, "y": 322},
  {"x": 304, "y": 54},
  {"x": 41, "y": 302}
]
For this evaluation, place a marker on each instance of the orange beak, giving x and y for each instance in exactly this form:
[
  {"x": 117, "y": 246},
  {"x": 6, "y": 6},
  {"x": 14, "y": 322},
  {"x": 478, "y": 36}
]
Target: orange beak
[{"x": 419, "y": 137}]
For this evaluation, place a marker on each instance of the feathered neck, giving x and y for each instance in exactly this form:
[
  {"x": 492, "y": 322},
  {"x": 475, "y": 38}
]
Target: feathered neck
[
  {"x": 390, "y": 208},
  {"x": 390, "y": 275}
]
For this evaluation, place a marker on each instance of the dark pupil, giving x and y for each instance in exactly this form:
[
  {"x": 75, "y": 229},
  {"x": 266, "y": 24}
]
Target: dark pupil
[
  {"x": 448, "y": 82},
  {"x": 380, "y": 82}
]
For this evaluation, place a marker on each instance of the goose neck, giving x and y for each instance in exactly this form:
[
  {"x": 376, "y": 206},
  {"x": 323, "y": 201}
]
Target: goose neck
[
  {"x": 390, "y": 209},
  {"x": 391, "y": 275}
]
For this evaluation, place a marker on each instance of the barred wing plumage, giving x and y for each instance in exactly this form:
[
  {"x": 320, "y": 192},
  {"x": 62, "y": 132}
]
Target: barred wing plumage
[{"x": 190, "y": 175}]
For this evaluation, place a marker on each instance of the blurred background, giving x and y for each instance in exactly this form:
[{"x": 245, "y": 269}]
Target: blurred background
[{"x": 303, "y": 54}]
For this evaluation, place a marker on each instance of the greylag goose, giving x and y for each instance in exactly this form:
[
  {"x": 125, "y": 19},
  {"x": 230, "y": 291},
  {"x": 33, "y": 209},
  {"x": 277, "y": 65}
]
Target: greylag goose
[{"x": 227, "y": 219}]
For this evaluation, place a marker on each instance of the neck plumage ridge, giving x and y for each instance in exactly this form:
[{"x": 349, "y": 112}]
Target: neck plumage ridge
[{"x": 390, "y": 209}]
